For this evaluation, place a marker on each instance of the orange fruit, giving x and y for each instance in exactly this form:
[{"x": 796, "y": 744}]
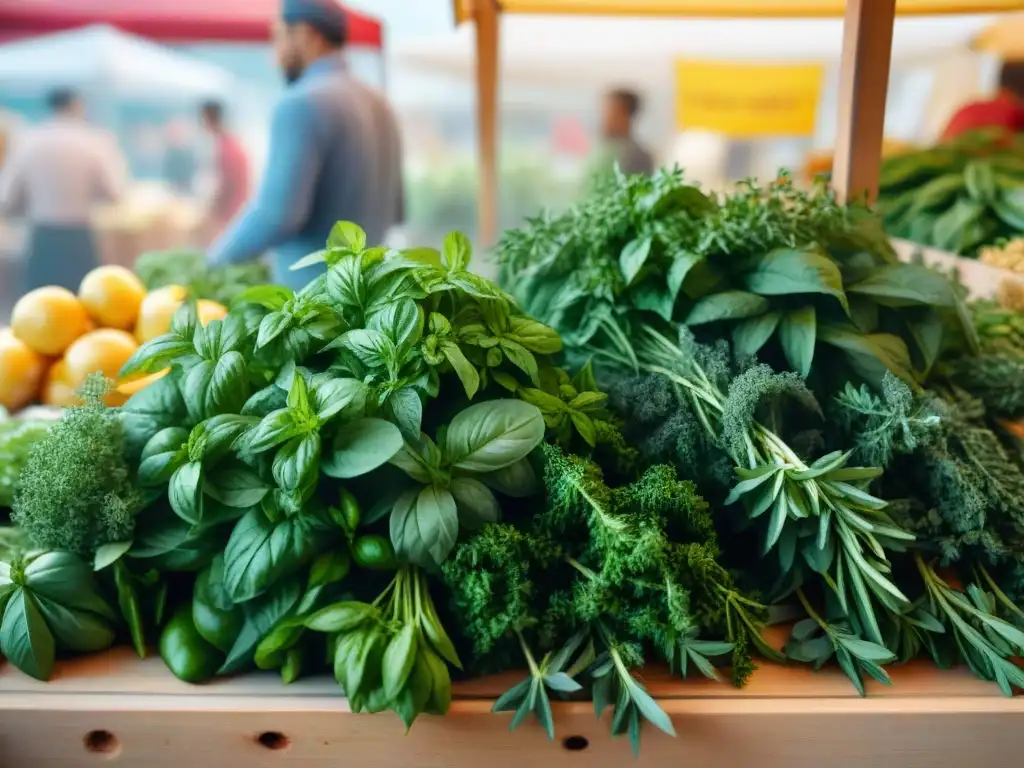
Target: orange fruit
[
  {"x": 56, "y": 389},
  {"x": 210, "y": 310},
  {"x": 131, "y": 386},
  {"x": 21, "y": 371},
  {"x": 104, "y": 350},
  {"x": 156, "y": 311},
  {"x": 159, "y": 307},
  {"x": 112, "y": 294},
  {"x": 48, "y": 319}
]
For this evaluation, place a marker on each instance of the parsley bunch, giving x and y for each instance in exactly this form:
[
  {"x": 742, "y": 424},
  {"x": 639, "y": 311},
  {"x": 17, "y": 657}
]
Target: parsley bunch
[{"x": 595, "y": 582}]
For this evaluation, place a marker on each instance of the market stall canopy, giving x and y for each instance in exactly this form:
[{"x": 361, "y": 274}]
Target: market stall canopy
[
  {"x": 639, "y": 52},
  {"x": 465, "y": 9},
  {"x": 177, "y": 21},
  {"x": 101, "y": 59}
]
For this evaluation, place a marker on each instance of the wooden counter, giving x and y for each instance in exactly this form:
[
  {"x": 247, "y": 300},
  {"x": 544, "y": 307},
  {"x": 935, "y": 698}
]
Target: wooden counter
[{"x": 115, "y": 708}]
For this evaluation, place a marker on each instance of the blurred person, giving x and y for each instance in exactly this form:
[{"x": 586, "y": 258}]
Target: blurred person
[
  {"x": 621, "y": 107},
  {"x": 334, "y": 155},
  {"x": 179, "y": 158},
  {"x": 231, "y": 170},
  {"x": 1005, "y": 110},
  {"x": 54, "y": 177}
]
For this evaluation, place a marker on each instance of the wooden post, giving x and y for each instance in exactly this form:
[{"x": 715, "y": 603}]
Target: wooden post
[
  {"x": 486, "y": 12},
  {"x": 863, "y": 83}
]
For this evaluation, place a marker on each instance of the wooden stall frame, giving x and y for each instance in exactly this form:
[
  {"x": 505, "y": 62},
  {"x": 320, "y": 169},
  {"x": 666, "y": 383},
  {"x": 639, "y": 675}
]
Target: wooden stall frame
[
  {"x": 114, "y": 707},
  {"x": 864, "y": 72}
]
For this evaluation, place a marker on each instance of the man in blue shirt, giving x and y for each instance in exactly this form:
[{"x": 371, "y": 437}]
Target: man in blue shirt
[{"x": 335, "y": 152}]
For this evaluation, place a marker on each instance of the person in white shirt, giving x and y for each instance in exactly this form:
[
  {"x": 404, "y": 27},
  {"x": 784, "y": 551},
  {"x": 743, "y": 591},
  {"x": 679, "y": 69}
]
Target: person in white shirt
[{"x": 54, "y": 176}]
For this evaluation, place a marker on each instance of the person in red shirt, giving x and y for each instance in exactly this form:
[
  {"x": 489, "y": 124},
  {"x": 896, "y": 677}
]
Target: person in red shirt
[
  {"x": 1006, "y": 110},
  {"x": 232, "y": 171}
]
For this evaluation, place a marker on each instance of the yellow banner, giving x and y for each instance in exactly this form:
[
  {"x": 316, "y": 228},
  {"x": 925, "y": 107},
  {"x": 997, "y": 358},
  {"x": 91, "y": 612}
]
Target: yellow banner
[{"x": 748, "y": 101}]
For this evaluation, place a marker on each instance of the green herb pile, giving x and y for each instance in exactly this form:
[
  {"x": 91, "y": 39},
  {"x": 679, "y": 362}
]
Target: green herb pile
[
  {"x": 680, "y": 417},
  {"x": 384, "y": 475},
  {"x": 834, "y": 405},
  {"x": 17, "y": 437},
  {"x": 958, "y": 196},
  {"x": 157, "y": 269}
]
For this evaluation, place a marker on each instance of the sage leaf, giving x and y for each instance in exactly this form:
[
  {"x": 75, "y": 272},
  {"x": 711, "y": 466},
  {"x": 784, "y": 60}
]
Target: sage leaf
[
  {"x": 727, "y": 305},
  {"x": 798, "y": 334},
  {"x": 750, "y": 335},
  {"x": 870, "y": 355},
  {"x": 900, "y": 285},
  {"x": 787, "y": 272}
]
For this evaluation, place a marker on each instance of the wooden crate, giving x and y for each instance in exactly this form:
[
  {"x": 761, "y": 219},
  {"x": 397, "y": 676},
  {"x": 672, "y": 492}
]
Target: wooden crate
[{"x": 114, "y": 707}]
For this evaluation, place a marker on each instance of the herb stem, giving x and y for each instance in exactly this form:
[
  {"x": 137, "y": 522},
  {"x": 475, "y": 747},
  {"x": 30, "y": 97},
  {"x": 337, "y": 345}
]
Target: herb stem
[
  {"x": 1001, "y": 596},
  {"x": 534, "y": 670},
  {"x": 811, "y": 613}
]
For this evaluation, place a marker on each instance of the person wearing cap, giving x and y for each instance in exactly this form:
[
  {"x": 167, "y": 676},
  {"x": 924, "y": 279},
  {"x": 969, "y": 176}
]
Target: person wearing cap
[{"x": 334, "y": 155}]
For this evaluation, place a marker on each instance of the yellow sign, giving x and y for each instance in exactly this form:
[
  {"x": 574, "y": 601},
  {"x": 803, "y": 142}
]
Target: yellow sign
[{"x": 748, "y": 101}]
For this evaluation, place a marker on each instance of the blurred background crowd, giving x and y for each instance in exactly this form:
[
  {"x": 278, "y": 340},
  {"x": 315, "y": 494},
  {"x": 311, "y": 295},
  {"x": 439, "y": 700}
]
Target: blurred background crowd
[{"x": 169, "y": 105}]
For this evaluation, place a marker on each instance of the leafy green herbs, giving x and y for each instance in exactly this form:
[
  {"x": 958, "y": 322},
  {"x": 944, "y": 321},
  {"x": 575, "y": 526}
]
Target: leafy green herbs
[
  {"x": 958, "y": 196},
  {"x": 391, "y": 654},
  {"x": 77, "y": 491},
  {"x": 157, "y": 269},
  {"x": 16, "y": 441},
  {"x": 485, "y": 441},
  {"x": 580, "y": 590},
  {"x": 787, "y": 275},
  {"x": 49, "y": 602}
]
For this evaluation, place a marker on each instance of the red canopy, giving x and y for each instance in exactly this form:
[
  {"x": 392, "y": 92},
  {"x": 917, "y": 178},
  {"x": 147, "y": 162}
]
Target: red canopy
[{"x": 172, "y": 21}]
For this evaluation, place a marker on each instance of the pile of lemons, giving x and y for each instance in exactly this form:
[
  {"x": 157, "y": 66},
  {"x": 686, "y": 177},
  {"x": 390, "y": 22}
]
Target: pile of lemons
[{"x": 56, "y": 339}]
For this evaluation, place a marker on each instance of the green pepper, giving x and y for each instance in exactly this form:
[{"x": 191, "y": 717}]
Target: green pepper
[
  {"x": 374, "y": 552},
  {"x": 185, "y": 652},
  {"x": 217, "y": 626},
  {"x": 350, "y": 512}
]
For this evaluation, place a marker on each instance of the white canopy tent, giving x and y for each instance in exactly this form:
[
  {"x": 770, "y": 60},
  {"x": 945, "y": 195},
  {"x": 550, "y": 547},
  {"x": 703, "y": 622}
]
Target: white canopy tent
[{"x": 102, "y": 61}]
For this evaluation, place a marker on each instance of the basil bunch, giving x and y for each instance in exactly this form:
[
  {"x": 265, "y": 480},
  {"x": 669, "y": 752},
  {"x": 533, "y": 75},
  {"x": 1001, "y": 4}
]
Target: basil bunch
[
  {"x": 396, "y": 382},
  {"x": 49, "y": 602}
]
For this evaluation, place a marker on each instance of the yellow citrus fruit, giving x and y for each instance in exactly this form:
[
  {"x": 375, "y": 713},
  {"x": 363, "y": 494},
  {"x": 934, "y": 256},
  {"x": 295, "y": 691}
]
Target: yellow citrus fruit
[
  {"x": 111, "y": 294},
  {"x": 156, "y": 311},
  {"x": 104, "y": 350},
  {"x": 131, "y": 386},
  {"x": 21, "y": 371},
  {"x": 210, "y": 310},
  {"x": 159, "y": 307},
  {"x": 56, "y": 389},
  {"x": 48, "y": 319}
]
